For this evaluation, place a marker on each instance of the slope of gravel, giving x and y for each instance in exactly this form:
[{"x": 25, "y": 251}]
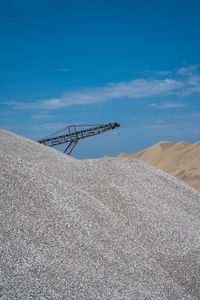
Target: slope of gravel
[{"x": 95, "y": 229}]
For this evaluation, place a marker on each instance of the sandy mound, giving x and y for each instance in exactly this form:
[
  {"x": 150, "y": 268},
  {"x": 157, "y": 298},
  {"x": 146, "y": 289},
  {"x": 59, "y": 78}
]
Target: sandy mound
[
  {"x": 181, "y": 160},
  {"x": 96, "y": 229}
]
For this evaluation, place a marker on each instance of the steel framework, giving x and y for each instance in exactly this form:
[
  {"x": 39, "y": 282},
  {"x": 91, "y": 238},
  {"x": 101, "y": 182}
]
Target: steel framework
[{"x": 73, "y": 134}]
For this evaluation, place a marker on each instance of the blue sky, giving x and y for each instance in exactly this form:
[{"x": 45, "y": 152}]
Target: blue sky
[{"x": 70, "y": 62}]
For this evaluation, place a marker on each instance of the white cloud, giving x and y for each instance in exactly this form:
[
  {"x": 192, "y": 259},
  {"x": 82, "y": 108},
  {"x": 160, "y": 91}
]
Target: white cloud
[
  {"x": 63, "y": 70},
  {"x": 192, "y": 81},
  {"x": 139, "y": 88},
  {"x": 42, "y": 116},
  {"x": 163, "y": 73},
  {"x": 188, "y": 70},
  {"x": 192, "y": 116},
  {"x": 185, "y": 82},
  {"x": 192, "y": 90},
  {"x": 167, "y": 105}
]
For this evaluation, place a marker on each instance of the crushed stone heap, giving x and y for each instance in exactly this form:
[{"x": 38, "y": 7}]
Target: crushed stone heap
[{"x": 94, "y": 229}]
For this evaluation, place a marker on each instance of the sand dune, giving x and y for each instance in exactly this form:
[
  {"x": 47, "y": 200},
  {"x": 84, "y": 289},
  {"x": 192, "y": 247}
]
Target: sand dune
[
  {"x": 181, "y": 160},
  {"x": 95, "y": 229}
]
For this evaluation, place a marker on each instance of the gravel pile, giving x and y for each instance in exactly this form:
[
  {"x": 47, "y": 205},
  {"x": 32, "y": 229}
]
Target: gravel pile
[{"x": 96, "y": 229}]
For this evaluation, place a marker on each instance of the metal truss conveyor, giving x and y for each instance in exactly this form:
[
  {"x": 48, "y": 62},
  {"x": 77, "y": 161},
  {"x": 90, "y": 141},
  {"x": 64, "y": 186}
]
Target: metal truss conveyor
[{"x": 73, "y": 134}]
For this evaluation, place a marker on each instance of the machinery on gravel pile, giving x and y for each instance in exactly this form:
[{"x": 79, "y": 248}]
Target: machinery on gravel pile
[{"x": 73, "y": 134}]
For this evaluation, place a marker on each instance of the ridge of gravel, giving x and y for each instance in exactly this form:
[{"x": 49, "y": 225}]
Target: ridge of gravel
[{"x": 94, "y": 229}]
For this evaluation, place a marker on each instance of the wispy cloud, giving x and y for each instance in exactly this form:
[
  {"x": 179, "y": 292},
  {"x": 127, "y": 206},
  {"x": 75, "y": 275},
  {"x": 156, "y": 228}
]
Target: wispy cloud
[
  {"x": 192, "y": 79},
  {"x": 42, "y": 116},
  {"x": 179, "y": 127},
  {"x": 63, "y": 70},
  {"x": 139, "y": 88},
  {"x": 47, "y": 127},
  {"x": 189, "y": 70},
  {"x": 183, "y": 82},
  {"x": 167, "y": 105},
  {"x": 39, "y": 129},
  {"x": 191, "y": 116},
  {"x": 9, "y": 86},
  {"x": 163, "y": 73}
]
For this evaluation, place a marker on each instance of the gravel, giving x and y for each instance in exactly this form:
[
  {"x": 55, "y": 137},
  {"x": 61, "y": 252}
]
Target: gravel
[{"x": 94, "y": 229}]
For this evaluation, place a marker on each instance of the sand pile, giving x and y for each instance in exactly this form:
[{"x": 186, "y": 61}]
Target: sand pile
[
  {"x": 181, "y": 160},
  {"x": 96, "y": 229}
]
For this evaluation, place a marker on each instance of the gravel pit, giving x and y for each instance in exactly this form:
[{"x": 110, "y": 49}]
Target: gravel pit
[{"x": 94, "y": 229}]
